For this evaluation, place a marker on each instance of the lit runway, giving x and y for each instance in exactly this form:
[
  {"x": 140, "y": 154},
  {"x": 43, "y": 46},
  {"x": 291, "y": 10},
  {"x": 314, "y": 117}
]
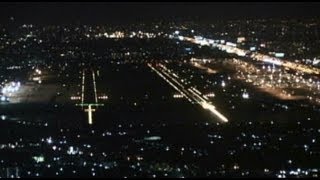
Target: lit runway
[
  {"x": 94, "y": 87},
  {"x": 191, "y": 94},
  {"x": 90, "y": 89},
  {"x": 82, "y": 86}
]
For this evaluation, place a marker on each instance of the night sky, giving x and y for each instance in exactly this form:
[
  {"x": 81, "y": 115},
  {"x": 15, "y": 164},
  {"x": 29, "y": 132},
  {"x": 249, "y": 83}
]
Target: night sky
[{"x": 99, "y": 12}]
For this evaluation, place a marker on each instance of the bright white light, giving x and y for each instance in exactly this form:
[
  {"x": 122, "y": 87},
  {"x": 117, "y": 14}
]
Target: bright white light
[
  {"x": 231, "y": 44},
  {"x": 3, "y": 98},
  {"x": 211, "y": 108},
  {"x": 210, "y": 95},
  {"x": 223, "y": 84},
  {"x": 245, "y": 95},
  {"x": 152, "y": 138},
  {"x": 49, "y": 140},
  {"x": 3, "y": 117},
  {"x": 72, "y": 151},
  {"x": 38, "y": 158},
  {"x": 181, "y": 38},
  {"x": 177, "y": 96},
  {"x": 272, "y": 60}
]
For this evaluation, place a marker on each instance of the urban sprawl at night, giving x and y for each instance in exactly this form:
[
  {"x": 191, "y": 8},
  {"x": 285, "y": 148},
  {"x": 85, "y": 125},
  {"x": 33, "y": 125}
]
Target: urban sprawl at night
[{"x": 236, "y": 97}]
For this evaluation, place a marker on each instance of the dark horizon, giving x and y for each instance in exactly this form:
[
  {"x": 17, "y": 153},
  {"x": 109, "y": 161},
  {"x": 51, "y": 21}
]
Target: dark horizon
[{"x": 127, "y": 12}]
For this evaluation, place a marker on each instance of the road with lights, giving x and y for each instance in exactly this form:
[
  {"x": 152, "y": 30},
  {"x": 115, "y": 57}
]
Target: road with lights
[{"x": 229, "y": 48}]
